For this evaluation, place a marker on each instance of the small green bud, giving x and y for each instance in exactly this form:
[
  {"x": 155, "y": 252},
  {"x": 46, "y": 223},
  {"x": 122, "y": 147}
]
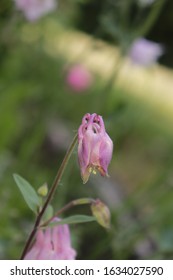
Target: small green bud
[
  {"x": 101, "y": 213},
  {"x": 43, "y": 190}
]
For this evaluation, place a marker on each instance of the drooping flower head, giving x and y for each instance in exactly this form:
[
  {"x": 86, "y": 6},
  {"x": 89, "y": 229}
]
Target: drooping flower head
[
  {"x": 78, "y": 78},
  {"x": 34, "y": 9},
  {"x": 52, "y": 244},
  {"x": 145, "y": 52},
  {"x": 94, "y": 146}
]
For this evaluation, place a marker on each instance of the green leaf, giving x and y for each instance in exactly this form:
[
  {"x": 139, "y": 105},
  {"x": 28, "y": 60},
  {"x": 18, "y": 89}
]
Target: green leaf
[
  {"x": 48, "y": 213},
  {"x": 73, "y": 220},
  {"x": 28, "y": 192}
]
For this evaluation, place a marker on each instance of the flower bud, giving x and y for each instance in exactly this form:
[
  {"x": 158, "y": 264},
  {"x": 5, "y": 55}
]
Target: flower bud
[
  {"x": 43, "y": 190},
  {"x": 101, "y": 213}
]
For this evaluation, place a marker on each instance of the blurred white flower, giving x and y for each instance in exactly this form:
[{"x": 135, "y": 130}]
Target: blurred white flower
[
  {"x": 145, "y": 52},
  {"x": 34, "y": 9},
  {"x": 146, "y": 2}
]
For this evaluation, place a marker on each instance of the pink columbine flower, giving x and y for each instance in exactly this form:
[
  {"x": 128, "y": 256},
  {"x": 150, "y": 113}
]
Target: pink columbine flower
[
  {"x": 145, "y": 52},
  {"x": 95, "y": 146},
  {"x": 52, "y": 244},
  {"x": 78, "y": 78},
  {"x": 34, "y": 9}
]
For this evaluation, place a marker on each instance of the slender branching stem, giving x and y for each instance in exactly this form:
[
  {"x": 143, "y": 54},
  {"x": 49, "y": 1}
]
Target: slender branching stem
[
  {"x": 72, "y": 203},
  {"x": 50, "y": 195}
]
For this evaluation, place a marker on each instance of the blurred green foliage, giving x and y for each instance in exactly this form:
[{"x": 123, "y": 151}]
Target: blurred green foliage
[
  {"x": 39, "y": 114},
  {"x": 121, "y": 20}
]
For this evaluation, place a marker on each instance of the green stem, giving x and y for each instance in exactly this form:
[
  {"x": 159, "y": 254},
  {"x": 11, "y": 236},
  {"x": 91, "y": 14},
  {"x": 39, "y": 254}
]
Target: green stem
[
  {"x": 155, "y": 12},
  {"x": 106, "y": 100},
  {"x": 50, "y": 195},
  {"x": 72, "y": 203}
]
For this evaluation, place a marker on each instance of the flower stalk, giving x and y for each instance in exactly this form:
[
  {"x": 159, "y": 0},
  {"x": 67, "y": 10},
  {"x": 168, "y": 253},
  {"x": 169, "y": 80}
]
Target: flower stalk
[
  {"x": 80, "y": 201},
  {"x": 50, "y": 195}
]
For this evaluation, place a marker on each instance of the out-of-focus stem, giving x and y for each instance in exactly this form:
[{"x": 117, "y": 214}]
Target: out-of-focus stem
[{"x": 152, "y": 17}]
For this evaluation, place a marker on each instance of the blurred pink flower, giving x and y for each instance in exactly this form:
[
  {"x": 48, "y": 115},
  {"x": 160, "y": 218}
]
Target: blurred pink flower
[
  {"x": 95, "y": 146},
  {"x": 34, "y": 9},
  {"x": 145, "y": 52},
  {"x": 52, "y": 244},
  {"x": 78, "y": 78}
]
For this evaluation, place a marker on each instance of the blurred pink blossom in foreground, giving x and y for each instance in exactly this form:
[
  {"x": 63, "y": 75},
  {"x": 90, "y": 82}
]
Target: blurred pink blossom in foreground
[
  {"x": 34, "y": 9},
  {"x": 78, "y": 78},
  {"x": 145, "y": 52},
  {"x": 52, "y": 244},
  {"x": 95, "y": 147}
]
